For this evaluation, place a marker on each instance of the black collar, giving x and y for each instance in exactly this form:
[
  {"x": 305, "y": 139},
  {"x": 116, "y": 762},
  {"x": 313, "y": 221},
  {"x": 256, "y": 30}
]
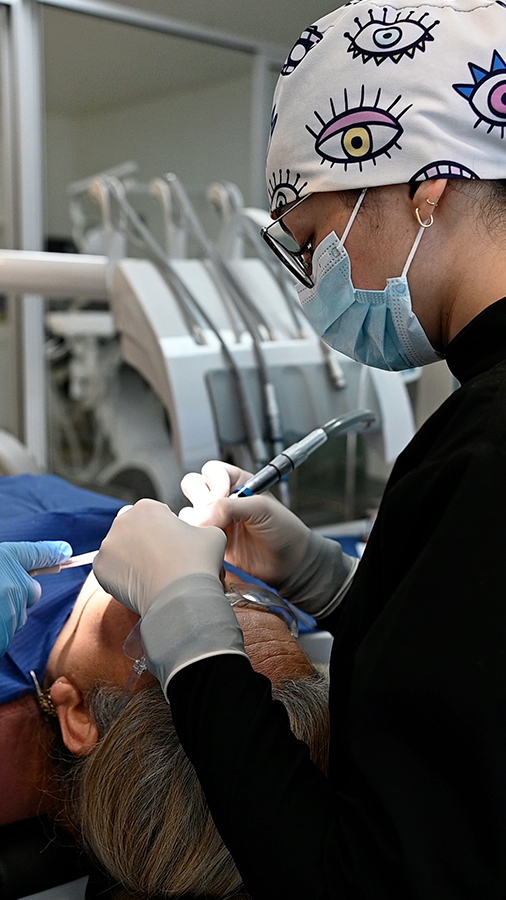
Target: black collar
[{"x": 480, "y": 345}]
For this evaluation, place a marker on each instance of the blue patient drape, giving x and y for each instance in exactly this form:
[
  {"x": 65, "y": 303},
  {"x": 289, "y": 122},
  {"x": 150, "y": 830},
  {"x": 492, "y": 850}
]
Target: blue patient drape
[{"x": 45, "y": 507}]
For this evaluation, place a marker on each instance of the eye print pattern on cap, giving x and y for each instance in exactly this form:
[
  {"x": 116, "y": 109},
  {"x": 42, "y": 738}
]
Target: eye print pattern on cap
[
  {"x": 274, "y": 122},
  {"x": 285, "y": 190},
  {"x": 380, "y": 40},
  {"x": 443, "y": 168},
  {"x": 487, "y": 95},
  {"x": 301, "y": 48},
  {"x": 358, "y": 134},
  {"x": 274, "y": 119}
]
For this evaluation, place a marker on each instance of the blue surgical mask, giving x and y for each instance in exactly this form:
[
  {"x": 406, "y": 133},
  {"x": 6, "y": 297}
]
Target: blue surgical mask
[{"x": 378, "y": 328}]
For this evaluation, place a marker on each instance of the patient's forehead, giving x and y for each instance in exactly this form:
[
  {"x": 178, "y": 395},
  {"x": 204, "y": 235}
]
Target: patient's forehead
[
  {"x": 270, "y": 646},
  {"x": 272, "y": 649}
]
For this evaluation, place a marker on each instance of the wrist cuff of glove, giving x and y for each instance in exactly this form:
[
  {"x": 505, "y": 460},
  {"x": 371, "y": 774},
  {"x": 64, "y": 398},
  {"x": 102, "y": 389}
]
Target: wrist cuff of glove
[
  {"x": 189, "y": 620},
  {"x": 341, "y": 593},
  {"x": 322, "y": 578}
]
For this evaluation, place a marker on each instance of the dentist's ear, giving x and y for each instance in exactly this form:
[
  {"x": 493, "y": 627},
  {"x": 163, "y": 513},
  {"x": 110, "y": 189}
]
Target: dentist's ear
[
  {"x": 427, "y": 196},
  {"x": 79, "y": 732}
]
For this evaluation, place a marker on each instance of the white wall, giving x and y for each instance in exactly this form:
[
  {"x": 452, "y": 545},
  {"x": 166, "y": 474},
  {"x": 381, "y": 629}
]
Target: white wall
[
  {"x": 59, "y": 169},
  {"x": 200, "y": 135}
]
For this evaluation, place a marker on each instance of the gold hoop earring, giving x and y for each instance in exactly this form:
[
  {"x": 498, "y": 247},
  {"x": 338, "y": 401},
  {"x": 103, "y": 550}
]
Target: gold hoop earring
[
  {"x": 431, "y": 202},
  {"x": 425, "y": 224}
]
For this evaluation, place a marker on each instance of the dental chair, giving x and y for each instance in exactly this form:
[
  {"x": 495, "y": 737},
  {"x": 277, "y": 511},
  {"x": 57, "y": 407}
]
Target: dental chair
[
  {"x": 36, "y": 856},
  {"x": 15, "y": 458},
  {"x": 40, "y": 861}
]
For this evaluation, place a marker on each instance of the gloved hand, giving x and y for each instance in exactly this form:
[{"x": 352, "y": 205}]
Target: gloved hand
[
  {"x": 17, "y": 589},
  {"x": 169, "y": 573},
  {"x": 267, "y": 540},
  {"x": 148, "y": 548}
]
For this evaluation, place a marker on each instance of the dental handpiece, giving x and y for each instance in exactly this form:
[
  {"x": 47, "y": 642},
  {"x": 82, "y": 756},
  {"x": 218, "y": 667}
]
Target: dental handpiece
[
  {"x": 274, "y": 471},
  {"x": 297, "y": 453}
]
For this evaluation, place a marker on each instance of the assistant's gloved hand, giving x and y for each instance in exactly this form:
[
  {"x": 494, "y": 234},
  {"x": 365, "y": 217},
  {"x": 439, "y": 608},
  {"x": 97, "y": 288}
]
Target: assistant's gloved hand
[
  {"x": 17, "y": 589},
  {"x": 169, "y": 573},
  {"x": 267, "y": 540}
]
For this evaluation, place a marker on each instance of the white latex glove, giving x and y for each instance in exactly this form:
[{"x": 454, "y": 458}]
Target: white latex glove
[
  {"x": 169, "y": 573},
  {"x": 267, "y": 540},
  {"x": 148, "y": 548},
  {"x": 17, "y": 589}
]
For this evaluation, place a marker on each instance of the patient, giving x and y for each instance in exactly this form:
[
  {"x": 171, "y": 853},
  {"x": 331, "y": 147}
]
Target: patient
[
  {"x": 126, "y": 788},
  {"x": 108, "y": 764}
]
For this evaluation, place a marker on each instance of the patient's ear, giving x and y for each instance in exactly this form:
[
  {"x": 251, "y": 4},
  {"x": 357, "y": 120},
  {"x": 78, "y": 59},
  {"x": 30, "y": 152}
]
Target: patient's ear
[{"x": 79, "y": 732}]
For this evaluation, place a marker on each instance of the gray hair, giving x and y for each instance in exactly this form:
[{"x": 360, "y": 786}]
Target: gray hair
[{"x": 139, "y": 807}]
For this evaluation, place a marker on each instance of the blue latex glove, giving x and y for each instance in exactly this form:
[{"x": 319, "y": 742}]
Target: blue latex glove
[{"x": 17, "y": 589}]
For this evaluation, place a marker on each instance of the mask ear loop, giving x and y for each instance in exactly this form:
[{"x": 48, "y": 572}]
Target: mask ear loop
[
  {"x": 423, "y": 225},
  {"x": 353, "y": 216},
  {"x": 413, "y": 251}
]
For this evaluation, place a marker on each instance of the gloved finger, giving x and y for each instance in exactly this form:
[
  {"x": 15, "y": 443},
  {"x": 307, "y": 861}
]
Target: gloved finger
[
  {"x": 34, "y": 590},
  {"x": 21, "y": 619},
  {"x": 124, "y": 509},
  {"x": 214, "y": 482},
  {"x": 25, "y": 591},
  {"x": 9, "y": 620},
  {"x": 196, "y": 515},
  {"x": 216, "y": 474},
  {"x": 5, "y": 636},
  {"x": 223, "y": 512},
  {"x": 36, "y": 555},
  {"x": 259, "y": 510},
  {"x": 219, "y": 514},
  {"x": 19, "y": 591},
  {"x": 195, "y": 487},
  {"x": 148, "y": 548}
]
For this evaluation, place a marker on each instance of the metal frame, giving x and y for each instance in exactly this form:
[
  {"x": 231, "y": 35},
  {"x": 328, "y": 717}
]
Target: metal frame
[
  {"x": 22, "y": 114},
  {"x": 128, "y": 15},
  {"x": 23, "y": 160},
  {"x": 267, "y": 56}
]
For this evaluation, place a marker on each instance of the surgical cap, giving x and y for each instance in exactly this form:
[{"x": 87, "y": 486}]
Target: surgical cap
[{"x": 374, "y": 95}]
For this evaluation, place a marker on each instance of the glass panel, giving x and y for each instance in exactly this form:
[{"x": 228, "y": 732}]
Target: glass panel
[
  {"x": 264, "y": 20},
  {"x": 116, "y": 93}
]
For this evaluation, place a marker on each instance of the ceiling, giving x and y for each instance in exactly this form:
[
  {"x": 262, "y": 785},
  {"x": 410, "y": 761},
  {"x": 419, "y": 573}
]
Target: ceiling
[{"x": 94, "y": 64}]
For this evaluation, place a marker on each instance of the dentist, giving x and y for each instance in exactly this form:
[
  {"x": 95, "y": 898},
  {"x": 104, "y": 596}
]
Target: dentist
[{"x": 387, "y": 165}]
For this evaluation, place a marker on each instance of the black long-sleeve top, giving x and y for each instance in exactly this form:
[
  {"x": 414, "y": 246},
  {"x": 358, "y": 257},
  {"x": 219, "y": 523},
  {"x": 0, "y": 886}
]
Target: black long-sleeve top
[{"x": 415, "y": 803}]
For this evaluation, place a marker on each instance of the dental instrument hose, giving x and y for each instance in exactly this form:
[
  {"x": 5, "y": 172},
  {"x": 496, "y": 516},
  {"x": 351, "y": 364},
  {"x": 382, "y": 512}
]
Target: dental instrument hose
[
  {"x": 292, "y": 457},
  {"x": 185, "y": 297},
  {"x": 249, "y": 313}
]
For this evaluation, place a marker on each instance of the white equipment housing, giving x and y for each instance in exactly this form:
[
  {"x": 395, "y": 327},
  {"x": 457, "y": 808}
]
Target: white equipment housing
[
  {"x": 221, "y": 341},
  {"x": 193, "y": 381}
]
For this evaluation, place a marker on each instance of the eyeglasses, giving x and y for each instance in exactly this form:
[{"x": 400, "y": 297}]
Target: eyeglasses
[
  {"x": 296, "y": 261},
  {"x": 248, "y": 594},
  {"x": 237, "y": 593},
  {"x": 133, "y": 649}
]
